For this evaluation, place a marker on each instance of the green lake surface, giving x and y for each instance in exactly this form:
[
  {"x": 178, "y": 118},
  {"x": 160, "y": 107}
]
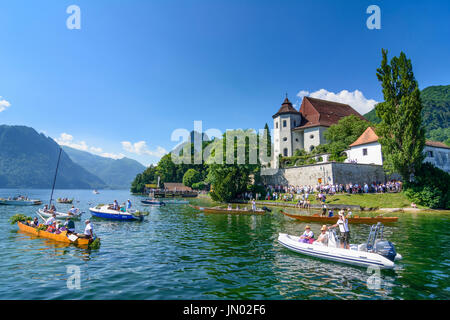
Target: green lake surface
[{"x": 177, "y": 253}]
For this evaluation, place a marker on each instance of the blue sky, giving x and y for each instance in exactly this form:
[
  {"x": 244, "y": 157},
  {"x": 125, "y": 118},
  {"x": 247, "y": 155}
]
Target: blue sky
[{"x": 138, "y": 70}]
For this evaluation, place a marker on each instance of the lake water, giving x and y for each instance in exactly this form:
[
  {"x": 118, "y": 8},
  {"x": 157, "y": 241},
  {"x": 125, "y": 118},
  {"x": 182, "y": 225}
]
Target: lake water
[{"x": 177, "y": 253}]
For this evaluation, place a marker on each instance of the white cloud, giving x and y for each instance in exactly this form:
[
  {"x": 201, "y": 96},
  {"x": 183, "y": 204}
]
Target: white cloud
[
  {"x": 141, "y": 148},
  {"x": 112, "y": 155},
  {"x": 66, "y": 139},
  {"x": 355, "y": 99},
  {"x": 4, "y": 104}
]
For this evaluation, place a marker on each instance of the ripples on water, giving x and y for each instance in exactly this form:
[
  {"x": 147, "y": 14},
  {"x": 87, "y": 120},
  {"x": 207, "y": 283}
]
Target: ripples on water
[{"x": 177, "y": 253}]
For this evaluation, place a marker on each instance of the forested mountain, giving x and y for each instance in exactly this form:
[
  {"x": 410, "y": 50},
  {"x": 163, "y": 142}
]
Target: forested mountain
[
  {"x": 117, "y": 174},
  {"x": 28, "y": 160},
  {"x": 436, "y": 113}
]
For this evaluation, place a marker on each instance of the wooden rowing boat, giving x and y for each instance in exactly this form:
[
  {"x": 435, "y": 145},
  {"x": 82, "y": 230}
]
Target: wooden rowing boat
[
  {"x": 226, "y": 211},
  {"x": 69, "y": 201},
  {"x": 61, "y": 237},
  {"x": 355, "y": 219}
]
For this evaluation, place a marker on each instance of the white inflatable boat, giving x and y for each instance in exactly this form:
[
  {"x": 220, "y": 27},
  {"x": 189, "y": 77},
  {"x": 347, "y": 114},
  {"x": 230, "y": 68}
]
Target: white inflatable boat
[
  {"x": 376, "y": 252},
  {"x": 60, "y": 215}
]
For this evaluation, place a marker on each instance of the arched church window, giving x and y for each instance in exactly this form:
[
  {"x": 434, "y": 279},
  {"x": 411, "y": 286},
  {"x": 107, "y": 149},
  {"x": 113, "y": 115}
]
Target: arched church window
[
  {"x": 276, "y": 124},
  {"x": 285, "y": 152},
  {"x": 311, "y": 148},
  {"x": 284, "y": 123}
]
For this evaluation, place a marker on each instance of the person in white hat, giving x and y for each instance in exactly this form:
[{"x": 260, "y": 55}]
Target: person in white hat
[
  {"x": 88, "y": 231},
  {"x": 344, "y": 230},
  {"x": 323, "y": 237}
]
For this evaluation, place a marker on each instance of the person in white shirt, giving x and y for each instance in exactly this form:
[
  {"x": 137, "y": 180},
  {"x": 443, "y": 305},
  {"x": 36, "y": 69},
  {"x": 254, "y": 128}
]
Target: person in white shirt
[
  {"x": 50, "y": 220},
  {"x": 344, "y": 230},
  {"x": 88, "y": 231},
  {"x": 253, "y": 205},
  {"x": 307, "y": 235},
  {"x": 323, "y": 237}
]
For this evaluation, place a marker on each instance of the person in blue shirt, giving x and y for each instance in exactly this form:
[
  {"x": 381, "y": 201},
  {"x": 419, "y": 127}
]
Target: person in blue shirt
[{"x": 128, "y": 204}]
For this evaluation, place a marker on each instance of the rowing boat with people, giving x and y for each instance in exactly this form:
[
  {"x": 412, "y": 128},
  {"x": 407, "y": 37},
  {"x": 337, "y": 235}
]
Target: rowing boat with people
[
  {"x": 61, "y": 237},
  {"x": 60, "y": 215},
  {"x": 354, "y": 219},
  {"x": 228, "y": 211},
  {"x": 64, "y": 201}
]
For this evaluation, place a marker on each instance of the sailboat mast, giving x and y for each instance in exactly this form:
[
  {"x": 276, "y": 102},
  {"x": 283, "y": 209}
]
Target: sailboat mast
[{"x": 54, "y": 179}]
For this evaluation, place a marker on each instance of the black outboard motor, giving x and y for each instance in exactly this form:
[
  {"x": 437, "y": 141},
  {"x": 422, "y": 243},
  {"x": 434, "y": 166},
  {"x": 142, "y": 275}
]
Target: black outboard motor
[{"x": 386, "y": 249}]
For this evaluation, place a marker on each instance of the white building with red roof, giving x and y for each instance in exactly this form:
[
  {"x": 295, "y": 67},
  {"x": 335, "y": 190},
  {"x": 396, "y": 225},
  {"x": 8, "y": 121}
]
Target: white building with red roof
[
  {"x": 367, "y": 150},
  {"x": 304, "y": 129}
]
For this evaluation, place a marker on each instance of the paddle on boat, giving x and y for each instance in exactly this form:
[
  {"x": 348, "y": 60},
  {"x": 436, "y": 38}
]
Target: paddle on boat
[{"x": 376, "y": 251}]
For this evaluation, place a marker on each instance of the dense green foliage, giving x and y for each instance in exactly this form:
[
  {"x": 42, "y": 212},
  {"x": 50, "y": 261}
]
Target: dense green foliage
[
  {"x": 339, "y": 136},
  {"x": 435, "y": 113},
  {"x": 191, "y": 176},
  {"x": 232, "y": 178},
  {"x": 116, "y": 173},
  {"x": 431, "y": 187},
  {"x": 401, "y": 134},
  {"x": 169, "y": 171},
  {"x": 28, "y": 160},
  {"x": 441, "y": 134},
  {"x": 19, "y": 217}
]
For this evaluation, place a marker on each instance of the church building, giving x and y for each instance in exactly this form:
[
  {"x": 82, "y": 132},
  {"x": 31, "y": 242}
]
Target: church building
[{"x": 304, "y": 129}]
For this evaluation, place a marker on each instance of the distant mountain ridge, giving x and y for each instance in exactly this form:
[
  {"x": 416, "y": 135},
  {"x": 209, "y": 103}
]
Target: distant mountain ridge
[
  {"x": 28, "y": 160},
  {"x": 116, "y": 173},
  {"x": 436, "y": 113}
]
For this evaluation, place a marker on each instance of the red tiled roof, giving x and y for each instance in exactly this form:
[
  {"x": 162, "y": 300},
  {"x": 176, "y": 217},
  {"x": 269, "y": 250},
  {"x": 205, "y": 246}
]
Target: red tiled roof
[
  {"x": 286, "y": 107},
  {"x": 436, "y": 144},
  {"x": 317, "y": 112},
  {"x": 368, "y": 136}
]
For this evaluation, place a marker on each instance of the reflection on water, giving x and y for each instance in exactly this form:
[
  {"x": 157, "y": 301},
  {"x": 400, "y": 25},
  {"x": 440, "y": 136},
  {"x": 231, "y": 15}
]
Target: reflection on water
[{"x": 178, "y": 253}]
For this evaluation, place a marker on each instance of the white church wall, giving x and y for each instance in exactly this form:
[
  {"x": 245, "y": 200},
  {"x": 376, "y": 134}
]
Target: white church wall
[
  {"x": 369, "y": 153},
  {"x": 439, "y": 157},
  {"x": 313, "y": 137}
]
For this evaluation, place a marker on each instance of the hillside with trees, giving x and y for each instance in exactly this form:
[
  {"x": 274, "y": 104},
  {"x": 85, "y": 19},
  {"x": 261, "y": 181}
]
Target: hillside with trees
[
  {"x": 435, "y": 113},
  {"x": 28, "y": 160}
]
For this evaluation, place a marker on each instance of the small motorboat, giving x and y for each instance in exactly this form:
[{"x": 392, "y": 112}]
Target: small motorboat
[
  {"x": 152, "y": 202},
  {"x": 64, "y": 201},
  {"x": 60, "y": 215},
  {"x": 19, "y": 201},
  {"x": 376, "y": 251},
  {"x": 228, "y": 211},
  {"x": 106, "y": 212},
  {"x": 354, "y": 219},
  {"x": 95, "y": 192}
]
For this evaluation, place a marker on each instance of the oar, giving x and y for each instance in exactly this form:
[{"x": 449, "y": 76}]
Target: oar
[{"x": 37, "y": 211}]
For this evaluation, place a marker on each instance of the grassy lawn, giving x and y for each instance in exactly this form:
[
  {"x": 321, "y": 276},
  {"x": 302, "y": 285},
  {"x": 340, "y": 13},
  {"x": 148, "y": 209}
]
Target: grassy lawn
[{"x": 371, "y": 200}]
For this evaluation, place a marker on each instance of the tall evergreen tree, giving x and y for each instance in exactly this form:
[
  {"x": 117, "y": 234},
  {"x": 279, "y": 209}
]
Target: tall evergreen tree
[{"x": 401, "y": 133}]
